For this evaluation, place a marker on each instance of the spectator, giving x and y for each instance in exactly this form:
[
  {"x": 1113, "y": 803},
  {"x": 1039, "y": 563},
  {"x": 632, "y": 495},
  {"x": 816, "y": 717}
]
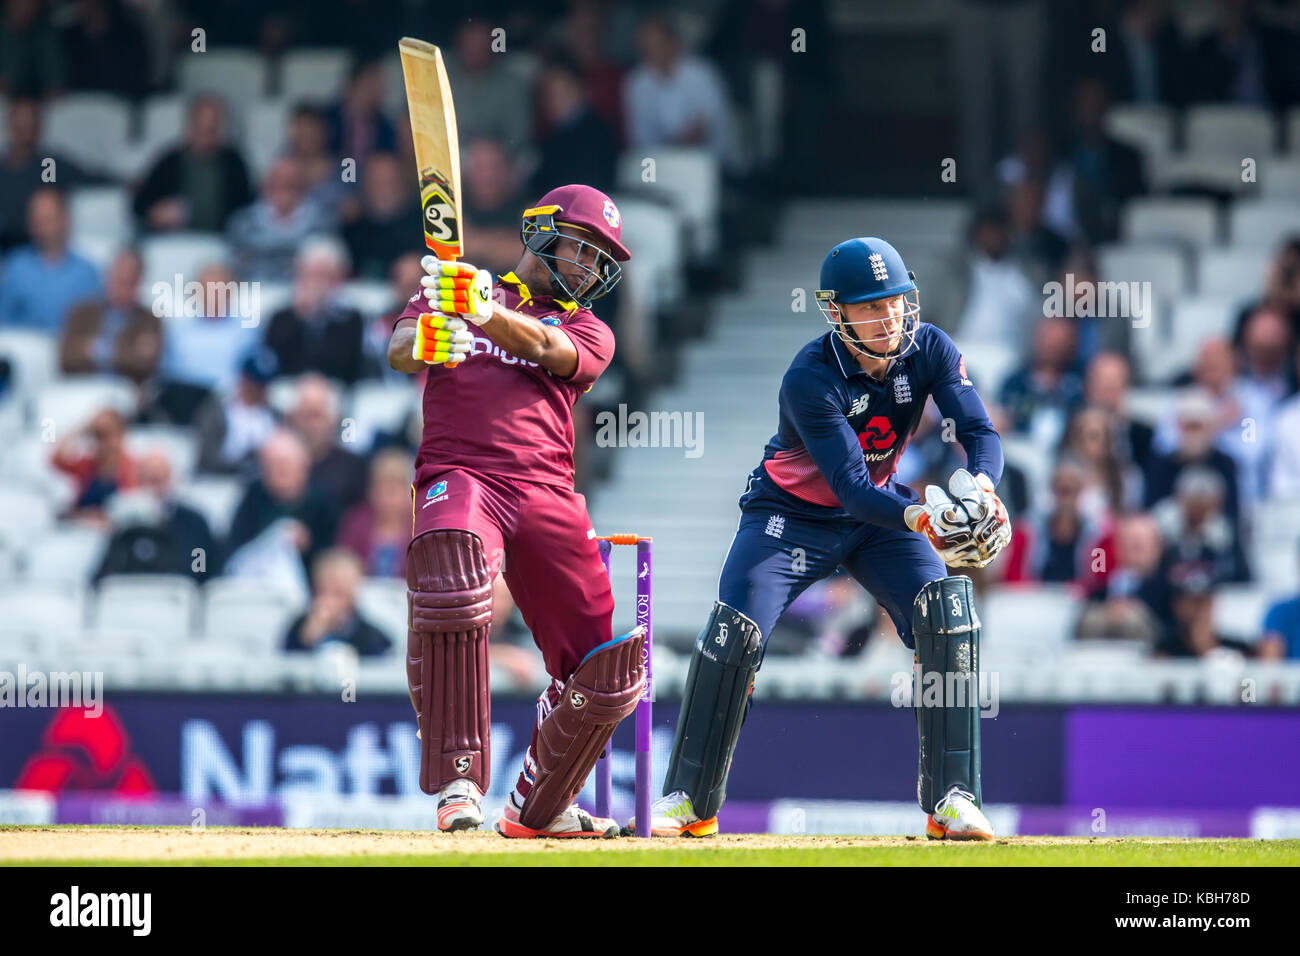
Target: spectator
[
  {"x": 1109, "y": 486},
  {"x": 1041, "y": 395},
  {"x": 109, "y": 52},
  {"x": 1106, "y": 388},
  {"x": 41, "y": 281},
  {"x": 389, "y": 216},
  {"x": 1263, "y": 384},
  {"x": 1193, "y": 523},
  {"x": 492, "y": 101},
  {"x": 356, "y": 124},
  {"x": 332, "y": 617},
  {"x": 307, "y": 143},
  {"x": 1039, "y": 249},
  {"x": 95, "y": 457},
  {"x": 673, "y": 98},
  {"x": 999, "y": 301},
  {"x": 493, "y": 206},
  {"x": 232, "y": 428},
  {"x": 1214, "y": 375},
  {"x": 1281, "y": 637},
  {"x": 1281, "y": 291},
  {"x": 1148, "y": 61},
  {"x": 1284, "y": 464},
  {"x": 1060, "y": 552},
  {"x": 198, "y": 184},
  {"x": 1195, "y": 447},
  {"x": 265, "y": 236},
  {"x": 31, "y": 58},
  {"x": 1129, "y": 596},
  {"x": 339, "y": 475},
  {"x": 404, "y": 276},
  {"x": 585, "y": 35},
  {"x": 378, "y": 529},
  {"x": 1243, "y": 60},
  {"x": 153, "y": 533},
  {"x": 1097, "y": 324},
  {"x": 23, "y": 170},
  {"x": 1190, "y": 628},
  {"x": 578, "y": 146},
  {"x": 282, "y": 522},
  {"x": 115, "y": 335},
  {"x": 1106, "y": 172},
  {"x": 317, "y": 332},
  {"x": 202, "y": 353}
]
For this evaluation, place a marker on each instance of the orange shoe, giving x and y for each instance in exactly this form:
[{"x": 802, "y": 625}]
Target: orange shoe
[{"x": 573, "y": 823}]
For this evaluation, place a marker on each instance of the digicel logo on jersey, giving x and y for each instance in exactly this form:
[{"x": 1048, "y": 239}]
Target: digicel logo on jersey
[{"x": 877, "y": 434}]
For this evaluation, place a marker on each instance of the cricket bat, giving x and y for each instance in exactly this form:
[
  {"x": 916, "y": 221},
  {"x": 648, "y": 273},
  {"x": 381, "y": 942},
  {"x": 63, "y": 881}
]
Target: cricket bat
[{"x": 437, "y": 146}]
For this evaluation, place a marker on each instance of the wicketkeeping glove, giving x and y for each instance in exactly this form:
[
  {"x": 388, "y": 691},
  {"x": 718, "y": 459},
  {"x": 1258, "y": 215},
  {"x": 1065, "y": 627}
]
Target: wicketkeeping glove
[{"x": 967, "y": 525}]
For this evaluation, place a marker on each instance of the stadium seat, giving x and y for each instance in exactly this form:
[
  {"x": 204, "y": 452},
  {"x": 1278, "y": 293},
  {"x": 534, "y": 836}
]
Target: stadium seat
[
  {"x": 263, "y": 129},
  {"x": 654, "y": 230},
  {"x": 314, "y": 76},
  {"x": 70, "y": 402},
  {"x": 33, "y": 357},
  {"x": 380, "y": 406},
  {"x": 1161, "y": 265},
  {"x": 42, "y": 609},
  {"x": 24, "y": 512},
  {"x": 162, "y": 124},
  {"x": 89, "y": 128},
  {"x": 97, "y": 248},
  {"x": 1235, "y": 272},
  {"x": 1279, "y": 178},
  {"x": 1148, "y": 128},
  {"x": 180, "y": 253},
  {"x": 64, "y": 554},
  {"x": 180, "y": 445},
  {"x": 691, "y": 182},
  {"x": 1229, "y": 129},
  {"x": 989, "y": 363},
  {"x": 1192, "y": 320},
  {"x": 162, "y": 605},
  {"x": 382, "y": 601},
  {"x": 1275, "y": 544},
  {"x": 1263, "y": 222},
  {"x": 1239, "y": 610},
  {"x": 103, "y": 211},
  {"x": 1219, "y": 172},
  {"x": 1164, "y": 219},
  {"x": 238, "y": 75},
  {"x": 241, "y": 613},
  {"x": 1026, "y": 621},
  {"x": 215, "y": 497},
  {"x": 370, "y": 298}
]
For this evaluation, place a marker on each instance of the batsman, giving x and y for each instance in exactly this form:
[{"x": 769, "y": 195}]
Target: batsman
[
  {"x": 493, "y": 493},
  {"x": 825, "y": 496}
]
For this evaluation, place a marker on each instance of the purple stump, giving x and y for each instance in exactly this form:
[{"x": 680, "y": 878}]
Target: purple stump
[
  {"x": 644, "y": 601},
  {"x": 604, "y": 768}
]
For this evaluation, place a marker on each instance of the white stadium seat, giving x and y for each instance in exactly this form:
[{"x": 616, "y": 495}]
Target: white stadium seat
[
  {"x": 66, "y": 554},
  {"x": 1166, "y": 351},
  {"x": 103, "y": 211},
  {"x": 162, "y": 605},
  {"x": 379, "y": 406},
  {"x": 98, "y": 249},
  {"x": 215, "y": 497},
  {"x": 314, "y": 76},
  {"x": 1229, "y": 129},
  {"x": 162, "y": 123},
  {"x": 1165, "y": 267},
  {"x": 33, "y": 356},
  {"x": 89, "y": 128},
  {"x": 1263, "y": 222},
  {"x": 1279, "y": 178},
  {"x": 1161, "y": 219},
  {"x": 1235, "y": 272},
  {"x": 690, "y": 180},
  {"x": 240, "y": 612},
  {"x": 263, "y": 128},
  {"x": 180, "y": 445},
  {"x": 382, "y": 601},
  {"x": 69, "y": 403},
  {"x": 1035, "y": 621},
  {"x": 371, "y": 298},
  {"x": 42, "y": 609},
  {"x": 181, "y": 253},
  {"x": 1221, "y": 172},
  {"x": 654, "y": 231},
  {"x": 1147, "y": 128},
  {"x": 1239, "y": 610},
  {"x": 24, "y": 512},
  {"x": 239, "y": 76}
]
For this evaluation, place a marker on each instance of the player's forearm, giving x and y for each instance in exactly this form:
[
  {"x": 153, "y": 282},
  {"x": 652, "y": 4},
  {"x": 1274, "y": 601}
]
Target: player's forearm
[
  {"x": 400, "y": 348},
  {"x": 526, "y": 338}
]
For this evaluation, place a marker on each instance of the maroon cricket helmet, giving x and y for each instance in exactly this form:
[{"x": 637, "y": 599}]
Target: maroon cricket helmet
[{"x": 588, "y": 208}]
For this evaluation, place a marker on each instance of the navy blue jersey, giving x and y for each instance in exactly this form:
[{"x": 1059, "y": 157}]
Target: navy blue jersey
[{"x": 842, "y": 431}]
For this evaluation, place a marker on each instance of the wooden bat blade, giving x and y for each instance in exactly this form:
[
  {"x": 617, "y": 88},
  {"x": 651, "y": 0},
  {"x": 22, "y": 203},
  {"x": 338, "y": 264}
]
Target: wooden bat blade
[{"x": 437, "y": 146}]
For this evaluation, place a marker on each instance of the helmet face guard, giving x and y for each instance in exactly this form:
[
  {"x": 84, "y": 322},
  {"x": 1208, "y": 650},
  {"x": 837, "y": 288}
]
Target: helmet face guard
[
  {"x": 831, "y": 308},
  {"x": 540, "y": 232}
]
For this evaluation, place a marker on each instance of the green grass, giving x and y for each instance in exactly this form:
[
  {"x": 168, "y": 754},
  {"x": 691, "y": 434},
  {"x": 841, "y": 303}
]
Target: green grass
[{"x": 485, "y": 849}]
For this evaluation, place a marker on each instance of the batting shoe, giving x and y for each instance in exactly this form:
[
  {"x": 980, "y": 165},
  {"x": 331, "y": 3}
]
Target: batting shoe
[
  {"x": 956, "y": 817},
  {"x": 572, "y": 823},
  {"x": 458, "y": 806},
  {"x": 673, "y": 815}
]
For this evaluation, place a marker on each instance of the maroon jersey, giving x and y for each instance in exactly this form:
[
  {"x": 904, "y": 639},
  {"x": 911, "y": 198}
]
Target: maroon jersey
[{"x": 499, "y": 415}]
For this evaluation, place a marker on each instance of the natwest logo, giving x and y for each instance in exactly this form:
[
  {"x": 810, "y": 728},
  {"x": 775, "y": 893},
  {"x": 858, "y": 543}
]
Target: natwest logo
[
  {"x": 82, "y": 750},
  {"x": 877, "y": 434}
]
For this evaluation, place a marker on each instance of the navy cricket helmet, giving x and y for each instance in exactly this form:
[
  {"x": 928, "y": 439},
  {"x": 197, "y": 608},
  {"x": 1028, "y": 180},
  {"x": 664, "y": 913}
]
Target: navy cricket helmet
[{"x": 864, "y": 270}]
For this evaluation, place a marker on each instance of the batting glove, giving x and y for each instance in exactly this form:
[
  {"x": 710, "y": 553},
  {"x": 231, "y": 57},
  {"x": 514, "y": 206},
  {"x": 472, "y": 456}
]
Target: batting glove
[{"x": 457, "y": 288}]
